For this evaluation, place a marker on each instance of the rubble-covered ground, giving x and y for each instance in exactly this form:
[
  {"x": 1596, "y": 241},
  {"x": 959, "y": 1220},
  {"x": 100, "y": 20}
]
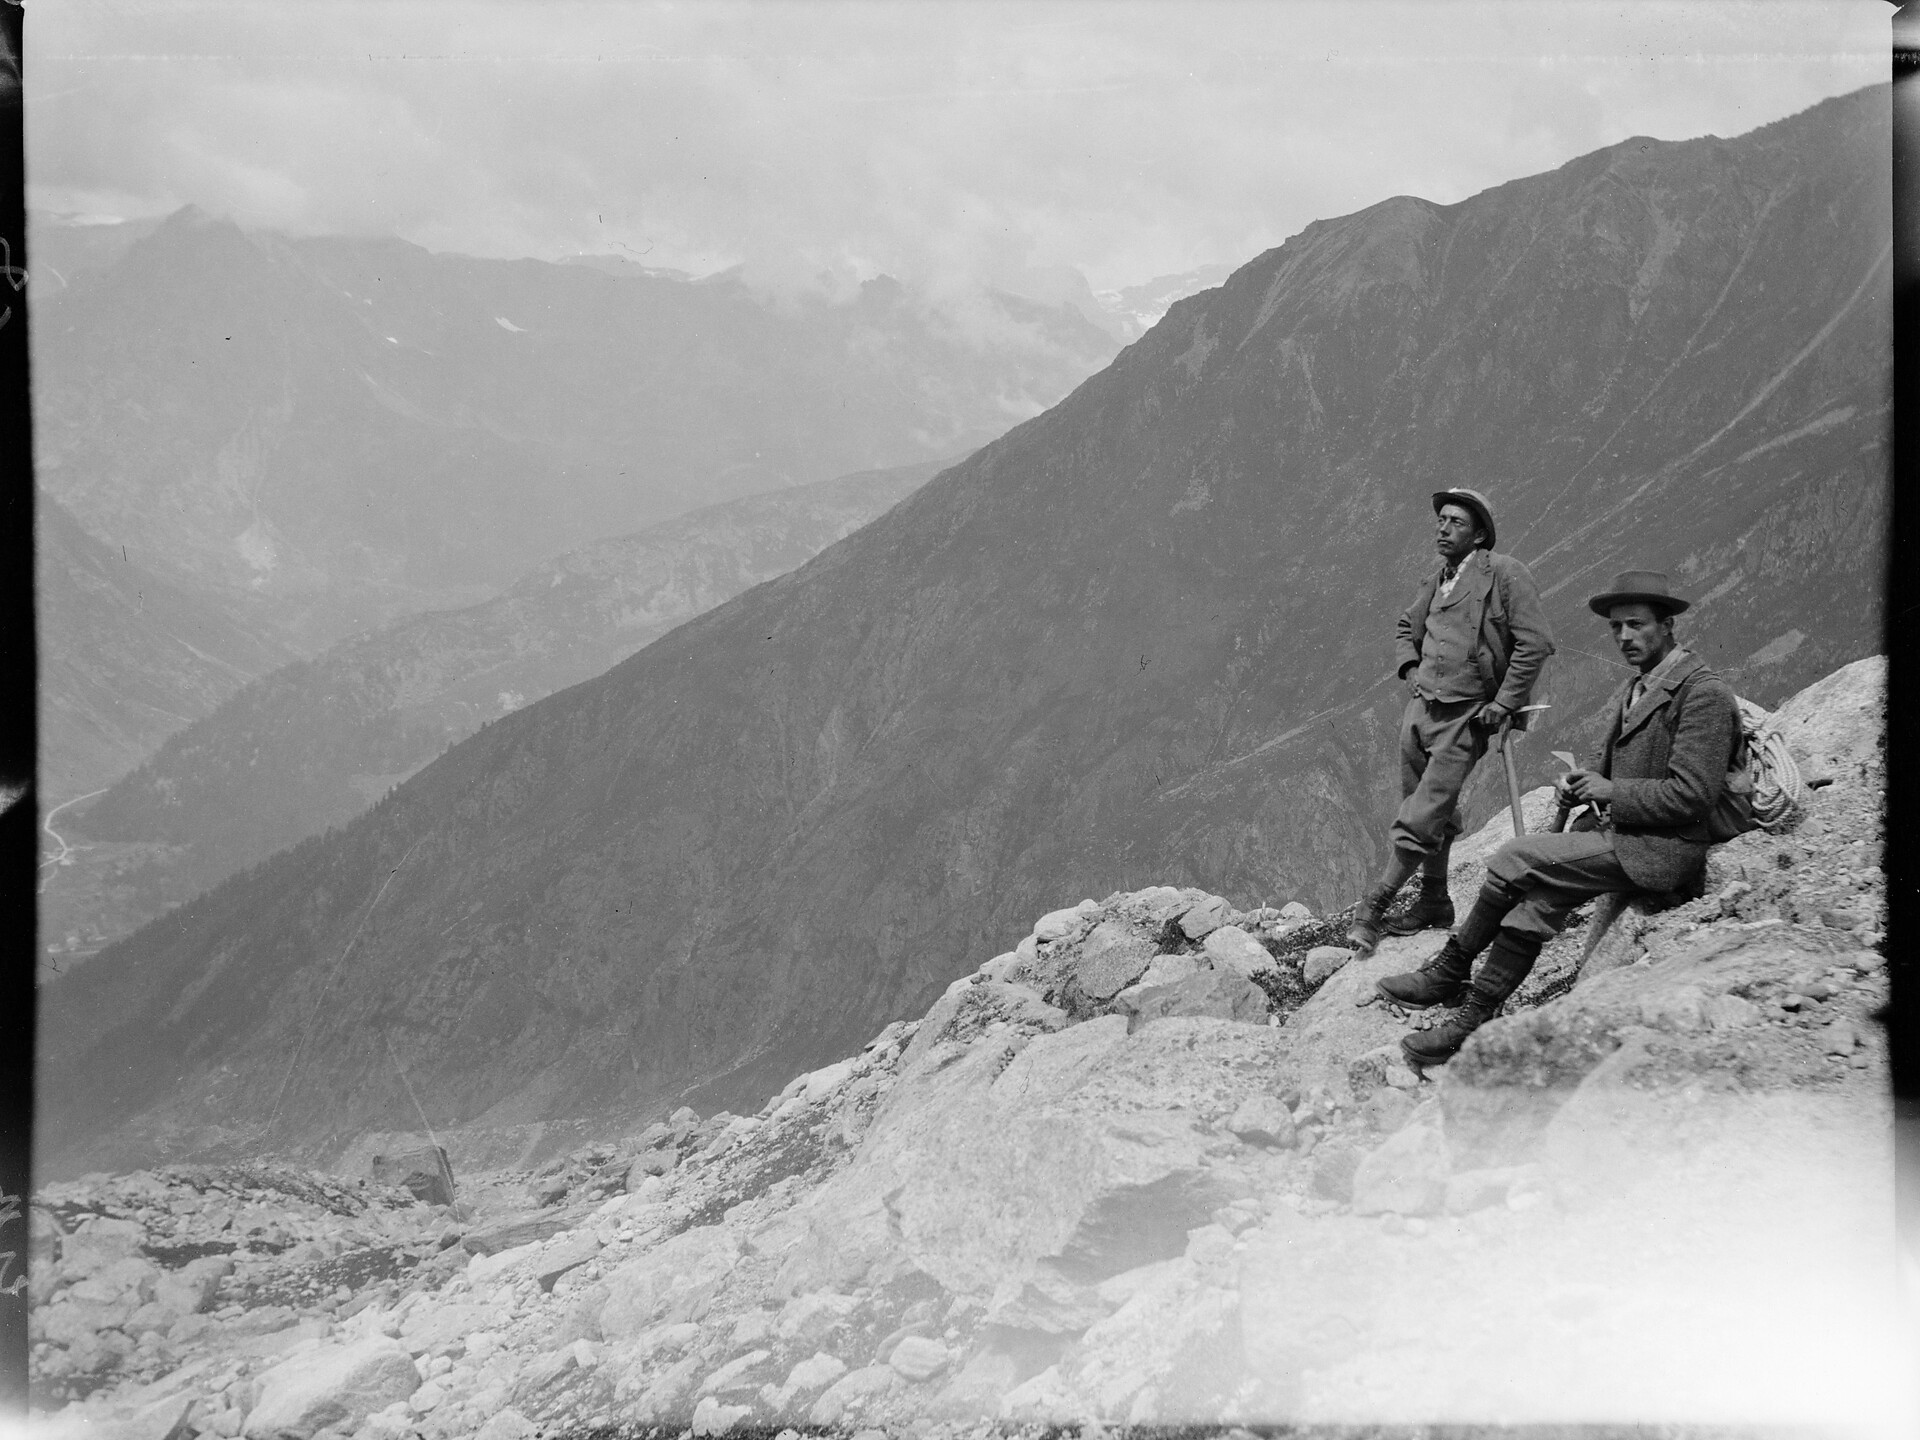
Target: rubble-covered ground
[{"x": 1160, "y": 1164}]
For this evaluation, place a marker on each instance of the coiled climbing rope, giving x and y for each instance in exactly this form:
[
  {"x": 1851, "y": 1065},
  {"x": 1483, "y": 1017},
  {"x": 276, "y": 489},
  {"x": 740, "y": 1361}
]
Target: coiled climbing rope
[{"x": 1779, "y": 793}]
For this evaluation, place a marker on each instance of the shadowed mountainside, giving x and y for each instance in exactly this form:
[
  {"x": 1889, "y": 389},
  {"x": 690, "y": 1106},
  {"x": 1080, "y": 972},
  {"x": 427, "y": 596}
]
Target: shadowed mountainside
[
  {"x": 341, "y": 430},
  {"x": 126, "y": 658},
  {"x": 1144, "y": 637},
  {"x": 312, "y": 745}
]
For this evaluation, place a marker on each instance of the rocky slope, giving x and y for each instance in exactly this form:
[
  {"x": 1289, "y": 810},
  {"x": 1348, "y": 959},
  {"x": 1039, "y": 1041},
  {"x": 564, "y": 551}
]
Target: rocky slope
[
  {"x": 126, "y": 658},
  {"x": 1153, "y": 1165},
  {"x": 312, "y": 745},
  {"x": 346, "y": 430},
  {"x": 1143, "y": 637}
]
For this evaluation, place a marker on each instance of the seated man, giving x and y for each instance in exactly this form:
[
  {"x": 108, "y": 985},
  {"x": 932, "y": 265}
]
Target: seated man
[{"x": 1663, "y": 766}]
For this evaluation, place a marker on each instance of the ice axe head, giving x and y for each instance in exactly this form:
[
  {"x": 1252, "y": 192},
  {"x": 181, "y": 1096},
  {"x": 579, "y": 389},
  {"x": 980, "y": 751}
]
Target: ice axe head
[{"x": 1523, "y": 717}]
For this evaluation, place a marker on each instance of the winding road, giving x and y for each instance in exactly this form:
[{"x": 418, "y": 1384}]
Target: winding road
[{"x": 59, "y": 858}]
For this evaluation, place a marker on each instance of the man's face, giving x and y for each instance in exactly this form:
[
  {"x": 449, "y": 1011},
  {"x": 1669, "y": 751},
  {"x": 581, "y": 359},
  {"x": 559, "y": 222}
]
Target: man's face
[
  {"x": 1643, "y": 634},
  {"x": 1455, "y": 533}
]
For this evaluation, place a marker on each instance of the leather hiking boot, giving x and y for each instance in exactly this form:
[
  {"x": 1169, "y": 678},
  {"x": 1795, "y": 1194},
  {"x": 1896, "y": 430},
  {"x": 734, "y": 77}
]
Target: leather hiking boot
[
  {"x": 1441, "y": 981},
  {"x": 1432, "y": 911},
  {"x": 1442, "y": 1042},
  {"x": 1364, "y": 934},
  {"x": 1507, "y": 964}
]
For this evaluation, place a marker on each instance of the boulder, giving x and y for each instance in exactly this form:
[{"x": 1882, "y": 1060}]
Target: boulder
[
  {"x": 95, "y": 1244},
  {"x": 423, "y": 1170},
  {"x": 522, "y": 1230},
  {"x": 666, "y": 1395},
  {"x": 131, "y": 1278},
  {"x": 809, "y": 1377},
  {"x": 507, "y": 1424},
  {"x": 741, "y": 1372},
  {"x": 1407, "y": 1172},
  {"x": 1262, "y": 1120},
  {"x": 852, "y": 1390},
  {"x": 1514, "y": 1073},
  {"x": 667, "y": 1283},
  {"x": 919, "y": 1358},
  {"x": 332, "y": 1386},
  {"x": 192, "y": 1289},
  {"x": 648, "y": 1164},
  {"x": 824, "y": 1081},
  {"x": 1216, "y": 994},
  {"x": 1058, "y": 925},
  {"x": 1111, "y": 957},
  {"x": 1231, "y": 948},
  {"x": 711, "y": 1418},
  {"x": 43, "y": 1237},
  {"x": 557, "y": 1258},
  {"x": 1322, "y": 960},
  {"x": 1205, "y": 918},
  {"x": 1341, "y": 1019},
  {"x": 1837, "y": 725},
  {"x": 1175, "y": 1329},
  {"x": 969, "y": 1009},
  {"x": 1073, "y": 1155},
  {"x": 810, "y": 1319},
  {"x": 1167, "y": 970}
]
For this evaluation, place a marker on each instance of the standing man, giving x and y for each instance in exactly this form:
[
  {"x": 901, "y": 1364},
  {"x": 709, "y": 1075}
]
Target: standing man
[
  {"x": 1470, "y": 648},
  {"x": 1663, "y": 769}
]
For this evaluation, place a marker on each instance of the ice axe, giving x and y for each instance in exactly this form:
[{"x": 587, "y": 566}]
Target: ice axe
[
  {"x": 1565, "y": 807},
  {"x": 1516, "y": 722}
]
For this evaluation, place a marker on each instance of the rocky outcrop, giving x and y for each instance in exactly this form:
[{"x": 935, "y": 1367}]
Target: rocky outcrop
[{"x": 1659, "y": 1193}]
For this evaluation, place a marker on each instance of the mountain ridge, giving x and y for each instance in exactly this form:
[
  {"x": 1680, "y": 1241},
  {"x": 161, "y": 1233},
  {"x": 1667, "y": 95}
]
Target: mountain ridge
[
  {"x": 339, "y": 431},
  {"x": 307, "y": 747}
]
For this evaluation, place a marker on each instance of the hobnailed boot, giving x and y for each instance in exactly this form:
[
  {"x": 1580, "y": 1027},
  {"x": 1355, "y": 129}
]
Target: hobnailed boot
[
  {"x": 1507, "y": 964},
  {"x": 1441, "y": 981},
  {"x": 1364, "y": 934},
  {"x": 1432, "y": 911}
]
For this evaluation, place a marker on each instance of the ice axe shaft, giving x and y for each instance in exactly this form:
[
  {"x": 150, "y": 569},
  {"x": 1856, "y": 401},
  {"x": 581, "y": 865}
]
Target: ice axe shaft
[
  {"x": 1513, "y": 781},
  {"x": 1511, "y": 726},
  {"x": 1565, "y": 807}
]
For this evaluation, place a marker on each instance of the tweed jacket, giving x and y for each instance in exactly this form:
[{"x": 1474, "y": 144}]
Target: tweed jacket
[
  {"x": 1668, "y": 762},
  {"x": 1513, "y": 640}
]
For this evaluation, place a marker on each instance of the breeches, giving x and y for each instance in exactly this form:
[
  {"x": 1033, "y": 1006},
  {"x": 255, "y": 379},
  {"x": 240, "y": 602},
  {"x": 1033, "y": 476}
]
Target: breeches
[
  {"x": 1438, "y": 749},
  {"x": 1539, "y": 879}
]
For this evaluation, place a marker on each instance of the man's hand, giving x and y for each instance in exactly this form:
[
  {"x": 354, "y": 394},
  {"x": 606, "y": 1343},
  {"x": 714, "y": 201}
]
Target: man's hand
[
  {"x": 1491, "y": 717},
  {"x": 1588, "y": 787}
]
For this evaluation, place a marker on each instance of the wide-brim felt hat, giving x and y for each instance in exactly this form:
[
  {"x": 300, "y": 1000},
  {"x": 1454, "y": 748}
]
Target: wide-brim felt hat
[
  {"x": 1473, "y": 500},
  {"x": 1649, "y": 587}
]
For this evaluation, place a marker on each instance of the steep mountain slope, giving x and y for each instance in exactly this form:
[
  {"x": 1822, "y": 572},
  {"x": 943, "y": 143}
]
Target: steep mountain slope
[
  {"x": 126, "y": 658},
  {"x": 347, "y": 430},
  {"x": 312, "y": 745},
  {"x": 1142, "y": 638}
]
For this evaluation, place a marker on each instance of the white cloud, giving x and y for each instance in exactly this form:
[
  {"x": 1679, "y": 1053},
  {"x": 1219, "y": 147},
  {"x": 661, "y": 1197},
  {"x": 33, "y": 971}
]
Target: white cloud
[{"x": 937, "y": 142}]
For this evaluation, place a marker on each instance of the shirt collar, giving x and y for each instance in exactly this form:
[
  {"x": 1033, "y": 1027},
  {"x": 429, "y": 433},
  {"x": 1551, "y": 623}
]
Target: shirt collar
[{"x": 1643, "y": 683}]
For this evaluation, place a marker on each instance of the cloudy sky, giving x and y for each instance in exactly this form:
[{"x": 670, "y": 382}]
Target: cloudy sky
[{"x": 938, "y": 142}]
